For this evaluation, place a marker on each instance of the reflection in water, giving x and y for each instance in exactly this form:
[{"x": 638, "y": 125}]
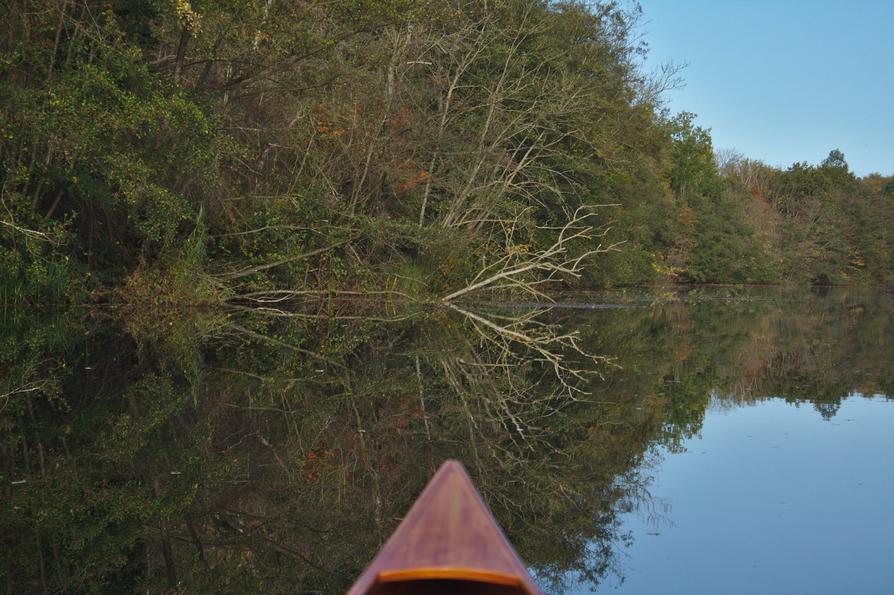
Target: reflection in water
[
  {"x": 772, "y": 498},
  {"x": 248, "y": 451}
]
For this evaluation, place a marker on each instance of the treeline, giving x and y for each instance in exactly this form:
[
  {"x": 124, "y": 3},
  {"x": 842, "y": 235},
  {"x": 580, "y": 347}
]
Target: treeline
[
  {"x": 738, "y": 220},
  {"x": 204, "y": 151},
  {"x": 816, "y": 223}
]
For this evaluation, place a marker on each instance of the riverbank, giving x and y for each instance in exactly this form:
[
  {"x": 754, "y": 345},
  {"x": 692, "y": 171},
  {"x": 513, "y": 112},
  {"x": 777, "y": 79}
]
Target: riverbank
[{"x": 171, "y": 156}]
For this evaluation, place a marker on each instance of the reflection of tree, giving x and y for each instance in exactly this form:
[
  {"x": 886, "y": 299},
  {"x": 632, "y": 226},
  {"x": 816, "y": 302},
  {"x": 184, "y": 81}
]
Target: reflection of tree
[
  {"x": 827, "y": 410},
  {"x": 534, "y": 434},
  {"x": 247, "y": 452},
  {"x": 838, "y": 343},
  {"x": 210, "y": 451}
]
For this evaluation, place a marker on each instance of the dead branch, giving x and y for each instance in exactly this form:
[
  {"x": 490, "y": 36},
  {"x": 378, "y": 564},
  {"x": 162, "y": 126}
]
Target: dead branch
[{"x": 557, "y": 260}]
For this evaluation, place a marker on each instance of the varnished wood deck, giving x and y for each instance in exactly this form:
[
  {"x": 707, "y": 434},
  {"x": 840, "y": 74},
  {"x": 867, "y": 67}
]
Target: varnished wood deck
[{"x": 449, "y": 542}]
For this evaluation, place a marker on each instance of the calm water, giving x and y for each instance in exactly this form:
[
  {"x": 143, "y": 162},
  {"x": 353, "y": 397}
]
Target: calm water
[
  {"x": 771, "y": 498},
  {"x": 713, "y": 441}
]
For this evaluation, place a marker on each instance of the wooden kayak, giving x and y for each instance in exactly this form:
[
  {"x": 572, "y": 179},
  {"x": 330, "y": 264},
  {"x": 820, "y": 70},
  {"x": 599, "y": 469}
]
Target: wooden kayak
[{"x": 449, "y": 542}]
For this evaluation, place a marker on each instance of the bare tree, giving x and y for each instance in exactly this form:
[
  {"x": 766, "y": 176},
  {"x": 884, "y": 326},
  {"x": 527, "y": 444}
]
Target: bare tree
[{"x": 523, "y": 270}]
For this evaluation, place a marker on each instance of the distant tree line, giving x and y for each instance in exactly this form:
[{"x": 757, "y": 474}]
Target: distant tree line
[{"x": 201, "y": 151}]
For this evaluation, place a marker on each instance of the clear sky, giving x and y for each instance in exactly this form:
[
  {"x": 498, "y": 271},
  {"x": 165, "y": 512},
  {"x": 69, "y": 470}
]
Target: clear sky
[{"x": 784, "y": 80}]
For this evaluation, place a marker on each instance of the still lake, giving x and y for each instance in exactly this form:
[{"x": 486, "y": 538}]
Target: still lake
[
  {"x": 771, "y": 498},
  {"x": 702, "y": 441}
]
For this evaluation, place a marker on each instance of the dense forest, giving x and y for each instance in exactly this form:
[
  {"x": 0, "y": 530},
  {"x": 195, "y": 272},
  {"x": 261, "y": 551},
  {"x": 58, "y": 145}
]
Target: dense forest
[
  {"x": 246, "y": 154},
  {"x": 203, "y": 152}
]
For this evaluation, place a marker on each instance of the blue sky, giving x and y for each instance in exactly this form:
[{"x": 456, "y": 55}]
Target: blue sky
[{"x": 783, "y": 81}]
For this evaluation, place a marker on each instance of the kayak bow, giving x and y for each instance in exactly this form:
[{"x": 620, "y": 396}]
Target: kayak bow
[{"x": 449, "y": 542}]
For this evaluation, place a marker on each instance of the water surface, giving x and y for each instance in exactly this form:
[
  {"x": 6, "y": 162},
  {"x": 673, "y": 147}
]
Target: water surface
[
  {"x": 240, "y": 450},
  {"x": 771, "y": 497}
]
